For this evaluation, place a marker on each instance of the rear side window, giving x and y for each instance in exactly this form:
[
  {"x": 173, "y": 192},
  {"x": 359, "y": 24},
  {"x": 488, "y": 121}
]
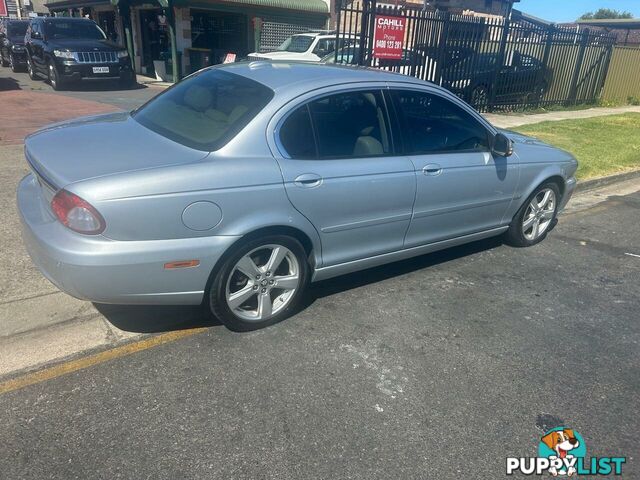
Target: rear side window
[
  {"x": 296, "y": 135},
  {"x": 205, "y": 111},
  {"x": 345, "y": 125},
  {"x": 433, "y": 124}
]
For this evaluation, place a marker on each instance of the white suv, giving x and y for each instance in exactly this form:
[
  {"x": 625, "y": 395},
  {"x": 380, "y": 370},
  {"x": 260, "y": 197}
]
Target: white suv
[{"x": 304, "y": 47}]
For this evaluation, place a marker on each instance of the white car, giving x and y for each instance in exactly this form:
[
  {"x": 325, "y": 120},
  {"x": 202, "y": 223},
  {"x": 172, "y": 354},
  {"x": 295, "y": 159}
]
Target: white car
[{"x": 304, "y": 47}]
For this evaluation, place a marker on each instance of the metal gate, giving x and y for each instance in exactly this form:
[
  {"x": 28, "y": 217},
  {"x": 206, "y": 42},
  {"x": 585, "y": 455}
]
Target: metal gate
[{"x": 491, "y": 62}]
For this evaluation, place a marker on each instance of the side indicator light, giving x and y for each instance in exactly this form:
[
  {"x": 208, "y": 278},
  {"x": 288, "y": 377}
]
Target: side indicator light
[{"x": 181, "y": 264}]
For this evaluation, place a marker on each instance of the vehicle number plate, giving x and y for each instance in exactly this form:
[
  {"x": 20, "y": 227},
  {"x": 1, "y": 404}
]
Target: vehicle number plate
[{"x": 100, "y": 69}]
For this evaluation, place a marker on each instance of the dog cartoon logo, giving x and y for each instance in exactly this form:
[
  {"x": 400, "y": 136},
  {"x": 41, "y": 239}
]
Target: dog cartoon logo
[{"x": 565, "y": 444}]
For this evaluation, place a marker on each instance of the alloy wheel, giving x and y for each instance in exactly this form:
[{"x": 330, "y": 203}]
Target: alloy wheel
[
  {"x": 539, "y": 214},
  {"x": 263, "y": 282}
]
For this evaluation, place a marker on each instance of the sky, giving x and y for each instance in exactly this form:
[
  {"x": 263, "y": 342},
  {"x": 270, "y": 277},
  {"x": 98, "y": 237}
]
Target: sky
[{"x": 570, "y": 10}]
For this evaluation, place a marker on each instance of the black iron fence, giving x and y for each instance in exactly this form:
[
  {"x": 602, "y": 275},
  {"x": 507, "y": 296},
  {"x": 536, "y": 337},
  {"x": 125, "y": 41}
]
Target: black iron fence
[{"x": 492, "y": 62}]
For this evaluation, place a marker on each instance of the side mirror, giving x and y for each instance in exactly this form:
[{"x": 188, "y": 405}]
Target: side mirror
[{"x": 502, "y": 146}]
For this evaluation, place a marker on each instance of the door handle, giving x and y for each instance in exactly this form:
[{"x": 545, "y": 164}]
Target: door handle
[
  {"x": 308, "y": 180},
  {"x": 432, "y": 169}
]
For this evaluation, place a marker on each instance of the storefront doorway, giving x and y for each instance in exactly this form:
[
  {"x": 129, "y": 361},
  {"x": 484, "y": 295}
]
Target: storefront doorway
[
  {"x": 220, "y": 32},
  {"x": 154, "y": 33}
]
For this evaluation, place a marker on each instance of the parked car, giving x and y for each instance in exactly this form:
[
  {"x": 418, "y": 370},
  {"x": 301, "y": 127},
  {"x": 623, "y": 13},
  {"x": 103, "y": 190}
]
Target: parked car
[
  {"x": 470, "y": 75},
  {"x": 475, "y": 78},
  {"x": 238, "y": 186},
  {"x": 304, "y": 47},
  {"x": 12, "y": 51},
  {"x": 67, "y": 50}
]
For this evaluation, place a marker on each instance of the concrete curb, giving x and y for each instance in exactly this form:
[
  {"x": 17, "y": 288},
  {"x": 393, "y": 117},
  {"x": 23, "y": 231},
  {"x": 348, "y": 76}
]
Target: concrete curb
[{"x": 599, "y": 182}]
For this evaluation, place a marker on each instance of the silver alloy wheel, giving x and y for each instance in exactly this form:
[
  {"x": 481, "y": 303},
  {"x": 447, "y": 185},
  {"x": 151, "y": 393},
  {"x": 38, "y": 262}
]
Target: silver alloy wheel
[
  {"x": 539, "y": 214},
  {"x": 263, "y": 282}
]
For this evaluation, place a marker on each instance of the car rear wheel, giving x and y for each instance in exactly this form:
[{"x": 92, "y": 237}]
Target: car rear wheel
[
  {"x": 536, "y": 217},
  {"x": 54, "y": 79},
  {"x": 31, "y": 69},
  {"x": 259, "y": 284}
]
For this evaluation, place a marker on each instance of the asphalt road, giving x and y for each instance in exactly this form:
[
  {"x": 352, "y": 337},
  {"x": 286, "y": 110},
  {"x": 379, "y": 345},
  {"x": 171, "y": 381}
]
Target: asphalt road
[
  {"x": 438, "y": 367},
  {"x": 103, "y": 92}
]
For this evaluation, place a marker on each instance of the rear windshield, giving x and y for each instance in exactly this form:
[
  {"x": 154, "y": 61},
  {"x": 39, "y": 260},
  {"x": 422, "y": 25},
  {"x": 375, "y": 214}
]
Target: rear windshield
[
  {"x": 73, "y": 29},
  {"x": 17, "y": 29},
  {"x": 205, "y": 111}
]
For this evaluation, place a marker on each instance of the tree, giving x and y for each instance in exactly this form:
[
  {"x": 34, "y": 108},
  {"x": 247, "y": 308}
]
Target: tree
[{"x": 605, "y": 13}]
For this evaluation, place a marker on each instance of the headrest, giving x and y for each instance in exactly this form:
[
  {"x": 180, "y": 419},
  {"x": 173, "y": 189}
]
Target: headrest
[{"x": 198, "y": 98}]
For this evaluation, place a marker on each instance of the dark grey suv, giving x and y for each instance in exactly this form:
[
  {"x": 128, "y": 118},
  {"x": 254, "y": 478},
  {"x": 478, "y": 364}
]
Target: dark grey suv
[{"x": 67, "y": 50}]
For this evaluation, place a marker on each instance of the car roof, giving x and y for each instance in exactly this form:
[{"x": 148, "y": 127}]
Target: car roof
[
  {"x": 16, "y": 20},
  {"x": 286, "y": 75},
  {"x": 67, "y": 19}
]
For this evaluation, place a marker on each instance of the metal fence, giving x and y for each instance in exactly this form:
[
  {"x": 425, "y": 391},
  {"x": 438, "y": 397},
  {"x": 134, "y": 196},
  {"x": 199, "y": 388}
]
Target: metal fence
[
  {"x": 492, "y": 62},
  {"x": 623, "y": 79}
]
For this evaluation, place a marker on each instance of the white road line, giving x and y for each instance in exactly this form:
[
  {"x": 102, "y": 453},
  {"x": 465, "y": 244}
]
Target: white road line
[{"x": 632, "y": 255}]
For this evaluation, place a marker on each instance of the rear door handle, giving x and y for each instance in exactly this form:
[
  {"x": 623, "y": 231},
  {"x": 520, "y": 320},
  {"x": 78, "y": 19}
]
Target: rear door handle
[
  {"x": 308, "y": 180},
  {"x": 432, "y": 169}
]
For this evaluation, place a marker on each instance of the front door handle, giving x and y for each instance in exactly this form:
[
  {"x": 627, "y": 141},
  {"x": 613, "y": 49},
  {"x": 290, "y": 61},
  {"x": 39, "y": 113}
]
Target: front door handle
[
  {"x": 432, "y": 169},
  {"x": 308, "y": 180}
]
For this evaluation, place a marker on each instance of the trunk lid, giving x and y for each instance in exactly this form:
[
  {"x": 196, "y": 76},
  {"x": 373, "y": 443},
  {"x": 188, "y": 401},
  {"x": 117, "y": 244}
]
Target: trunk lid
[{"x": 101, "y": 145}]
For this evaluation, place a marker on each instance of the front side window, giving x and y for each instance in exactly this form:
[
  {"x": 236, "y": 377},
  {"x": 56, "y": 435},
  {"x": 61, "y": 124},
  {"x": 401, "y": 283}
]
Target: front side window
[
  {"x": 73, "y": 30},
  {"x": 433, "y": 124},
  {"x": 205, "y": 111}
]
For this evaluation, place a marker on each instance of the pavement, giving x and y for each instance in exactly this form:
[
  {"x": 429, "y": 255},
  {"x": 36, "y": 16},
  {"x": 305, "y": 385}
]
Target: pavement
[{"x": 436, "y": 367}]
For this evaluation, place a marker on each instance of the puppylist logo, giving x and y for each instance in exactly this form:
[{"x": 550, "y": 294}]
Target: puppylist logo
[{"x": 562, "y": 452}]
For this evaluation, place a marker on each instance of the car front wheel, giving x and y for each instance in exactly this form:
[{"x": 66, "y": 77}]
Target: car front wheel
[
  {"x": 260, "y": 283},
  {"x": 54, "y": 79},
  {"x": 536, "y": 217}
]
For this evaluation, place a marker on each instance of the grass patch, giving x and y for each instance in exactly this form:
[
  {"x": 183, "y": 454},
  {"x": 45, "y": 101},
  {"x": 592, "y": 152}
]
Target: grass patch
[{"x": 602, "y": 145}]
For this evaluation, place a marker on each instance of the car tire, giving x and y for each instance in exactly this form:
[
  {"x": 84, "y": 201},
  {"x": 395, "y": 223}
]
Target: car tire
[
  {"x": 536, "y": 217},
  {"x": 244, "y": 293},
  {"x": 12, "y": 63},
  {"x": 54, "y": 79},
  {"x": 31, "y": 69},
  {"x": 128, "y": 83}
]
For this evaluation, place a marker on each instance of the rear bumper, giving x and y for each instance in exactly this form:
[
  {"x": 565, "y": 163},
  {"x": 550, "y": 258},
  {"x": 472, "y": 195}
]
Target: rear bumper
[
  {"x": 107, "y": 271},
  {"x": 20, "y": 57}
]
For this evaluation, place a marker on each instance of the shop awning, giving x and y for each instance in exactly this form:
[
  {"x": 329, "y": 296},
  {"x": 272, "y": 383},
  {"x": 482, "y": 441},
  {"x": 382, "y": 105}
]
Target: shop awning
[
  {"x": 65, "y": 4},
  {"x": 313, "y": 6}
]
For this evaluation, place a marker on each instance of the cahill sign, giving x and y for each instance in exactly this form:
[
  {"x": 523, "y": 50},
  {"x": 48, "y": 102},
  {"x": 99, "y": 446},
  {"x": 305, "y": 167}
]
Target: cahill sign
[{"x": 389, "y": 37}]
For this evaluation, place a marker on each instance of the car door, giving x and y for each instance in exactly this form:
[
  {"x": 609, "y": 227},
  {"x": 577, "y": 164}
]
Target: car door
[
  {"x": 36, "y": 45},
  {"x": 337, "y": 158},
  {"x": 462, "y": 188}
]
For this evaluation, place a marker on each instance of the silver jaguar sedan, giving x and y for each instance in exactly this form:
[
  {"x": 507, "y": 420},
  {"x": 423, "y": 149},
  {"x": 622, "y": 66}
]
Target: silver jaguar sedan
[{"x": 243, "y": 183}]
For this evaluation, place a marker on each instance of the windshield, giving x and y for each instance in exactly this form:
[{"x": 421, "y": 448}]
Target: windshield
[
  {"x": 17, "y": 29},
  {"x": 73, "y": 29},
  {"x": 206, "y": 110},
  {"x": 296, "y": 44}
]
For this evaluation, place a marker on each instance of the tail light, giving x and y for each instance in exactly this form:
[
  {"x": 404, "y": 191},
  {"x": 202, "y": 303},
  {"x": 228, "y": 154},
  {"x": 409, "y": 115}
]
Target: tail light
[{"x": 77, "y": 214}]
